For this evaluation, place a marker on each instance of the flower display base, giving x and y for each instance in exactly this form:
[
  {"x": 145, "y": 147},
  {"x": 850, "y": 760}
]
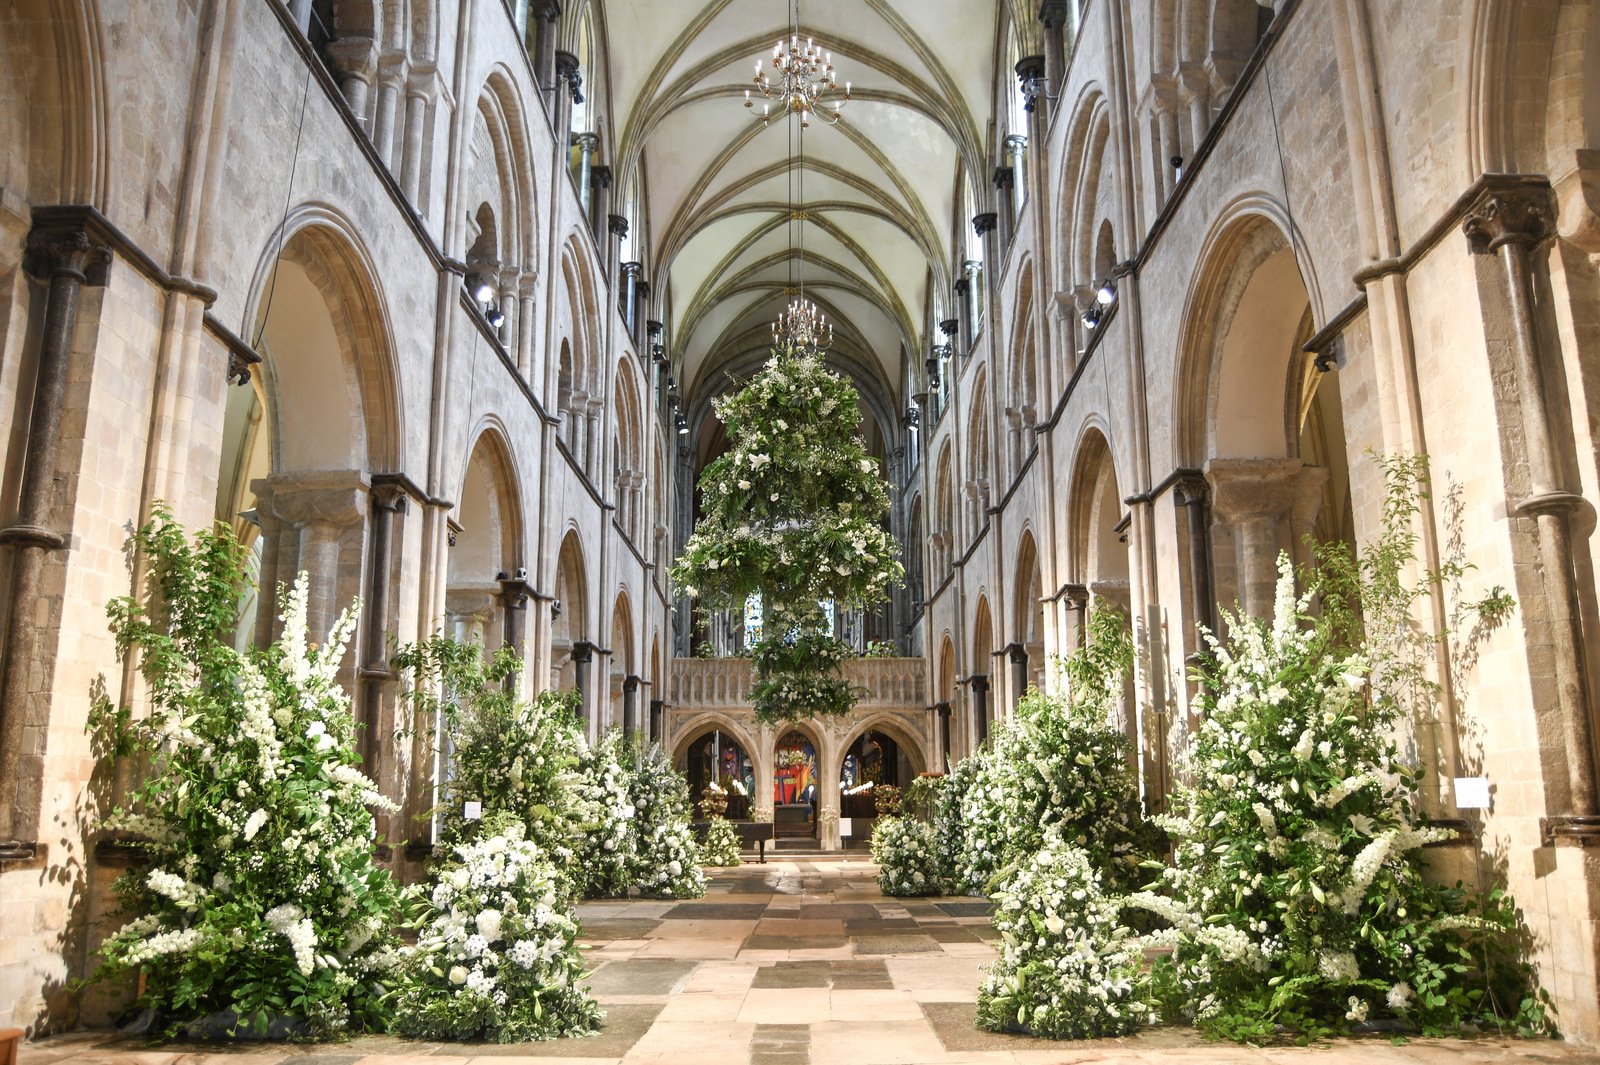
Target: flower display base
[{"x": 227, "y": 1026}]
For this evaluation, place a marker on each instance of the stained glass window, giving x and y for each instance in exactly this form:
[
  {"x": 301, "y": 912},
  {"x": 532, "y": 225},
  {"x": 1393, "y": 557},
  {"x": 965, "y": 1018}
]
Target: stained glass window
[{"x": 752, "y": 620}]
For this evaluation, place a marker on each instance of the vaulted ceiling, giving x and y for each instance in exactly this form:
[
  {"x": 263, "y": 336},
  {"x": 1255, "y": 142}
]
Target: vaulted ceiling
[{"x": 879, "y": 188}]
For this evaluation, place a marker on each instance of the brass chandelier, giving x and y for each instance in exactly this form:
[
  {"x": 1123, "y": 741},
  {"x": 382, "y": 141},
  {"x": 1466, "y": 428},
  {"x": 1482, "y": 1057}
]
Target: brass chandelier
[{"x": 805, "y": 77}]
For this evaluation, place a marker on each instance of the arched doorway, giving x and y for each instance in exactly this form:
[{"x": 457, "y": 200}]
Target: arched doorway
[
  {"x": 796, "y": 784},
  {"x": 717, "y": 755}
]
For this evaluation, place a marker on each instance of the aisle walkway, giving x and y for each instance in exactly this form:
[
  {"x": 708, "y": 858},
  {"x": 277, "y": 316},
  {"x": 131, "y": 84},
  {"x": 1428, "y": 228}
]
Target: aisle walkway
[{"x": 796, "y": 963}]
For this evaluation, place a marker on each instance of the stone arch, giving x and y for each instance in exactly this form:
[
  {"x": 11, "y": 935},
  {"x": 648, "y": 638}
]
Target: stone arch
[
  {"x": 1081, "y": 178},
  {"x": 907, "y": 738},
  {"x": 1249, "y": 393},
  {"x": 570, "y": 626},
  {"x": 330, "y": 410},
  {"x": 944, "y": 514},
  {"x": 628, "y": 463},
  {"x": 57, "y": 125},
  {"x": 1022, "y": 400},
  {"x": 980, "y": 673},
  {"x": 624, "y": 664},
  {"x": 1027, "y": 623},
  {"x": 1099, "y": 552},
  {"x": 486, "y": 545},
  {"x": 945, "y": 699},
  {"x": 979, "y": 474}
]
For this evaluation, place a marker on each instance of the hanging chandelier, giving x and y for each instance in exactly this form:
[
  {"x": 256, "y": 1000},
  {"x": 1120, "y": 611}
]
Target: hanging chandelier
[
  {"x": 802, "y": 329},
  {"x": 802, "y": 80}
]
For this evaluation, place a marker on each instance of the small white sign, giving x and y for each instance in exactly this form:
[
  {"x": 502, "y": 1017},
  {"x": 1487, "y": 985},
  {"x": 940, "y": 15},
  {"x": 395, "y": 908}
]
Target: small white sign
[
  {"x": 844, "y": 827},
  {"x": 473, "y": 811},
  {"x": 1472, "y": 793}
]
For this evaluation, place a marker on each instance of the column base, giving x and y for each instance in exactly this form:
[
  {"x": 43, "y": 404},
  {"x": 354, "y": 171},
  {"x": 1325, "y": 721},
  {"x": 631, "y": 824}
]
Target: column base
[{"x": 1580, "y": 830}]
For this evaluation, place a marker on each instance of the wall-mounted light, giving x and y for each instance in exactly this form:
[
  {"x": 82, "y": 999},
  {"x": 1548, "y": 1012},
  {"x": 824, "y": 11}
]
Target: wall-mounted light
[
  {"x": 495, "y": 317},
  {"x": 1106, "y": 294},
  {"x": 1091, "y": 317},
  {"x": 683, "y": 424},
  {"x": 481, "y": 287},
  {"x": 1177, "y": 167}
]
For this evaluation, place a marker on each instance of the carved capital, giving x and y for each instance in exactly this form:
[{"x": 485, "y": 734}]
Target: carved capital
[
  {"x": 356, "y": 57},
  {"x": 548, "y": 10},
  {"x": 1053, "y": 13},
  {"x": 1523, "y": 215},
  {"x": 985, "y": 223},
  {"x": 599, "y": 176},
  {"x": 66, "y": 248},
  {"x": 1004, "y": 178}
]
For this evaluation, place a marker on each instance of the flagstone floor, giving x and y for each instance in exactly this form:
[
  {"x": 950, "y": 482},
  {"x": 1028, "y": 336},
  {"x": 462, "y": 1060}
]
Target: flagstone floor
[{"x": 799, "y": 962}]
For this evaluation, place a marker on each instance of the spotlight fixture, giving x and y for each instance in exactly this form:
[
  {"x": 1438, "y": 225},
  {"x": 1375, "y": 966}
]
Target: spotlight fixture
[
  {"x": 495, "y": 317},
  {"x": 1091, "y": 317},
  {"x": 682, "y": 423},
  {"x": 1106, "y": 294},
  {"x": 1177, "y": 167},
  {"x": 481, "y": 287}
]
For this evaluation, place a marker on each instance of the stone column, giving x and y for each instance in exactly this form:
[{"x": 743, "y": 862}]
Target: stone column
[
  {"x": 617, "y": 228},
  {"x": 630, "y": 295},
  {"x": 357, "y": 60},
  {"x": 972, "y": 271},
  {"x": 641, "y": 300},
  {"x": 593, "y": 456},
  {"x": 546, "y": 15},
  {"x": 388, "y": 500},
  {"x": 1163, "y": 108},
  {"x": 569, "y": 91},
  {"x": 1251, "y": 498},
  {"x": 1194, "y": 93},
  {"x": 577, "y": 437},
  {"x": 314, "y": 510},
  {"x": 943, "y": 709},
  {"x": 413, "y": 145},
  {"x": 1077, "y": 601},
  {"x": 1017, "y": 656},
  {"x": 582, "y": 656},
  {"x": 587, "y": 144},
  {"x": 1005, "y": 183},
  {"x": 525, "y": 327},
  {"x": 967, "y": 328},
  {"x": 600, "y": 202},
  {"x": 978, "y": 693},
  {"x": 391, "y": 76},
  {"x": 630, "y": 706},
  {"x": 1191, "y": 494},
  {"x": 1053, "y": 13},
  {"x": 65, "y": 257},
  {"x": 515, "y": 593},
  {"x": 1017, "y": 161},
  {"x": 1508, "y": 224},
  {"x": 658, "y": 709}
]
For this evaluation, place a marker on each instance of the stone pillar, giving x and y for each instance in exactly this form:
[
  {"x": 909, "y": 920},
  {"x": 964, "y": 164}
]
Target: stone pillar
[
  {"x": 568, "y": 92},
  {"x": 582, "y": 656},
  {"x": 1077, "y": 600},
  {"x": 314, "y": 512},
  {"x": 1005, "y": 182},
  {"x": 1053, "y": 13},
  {"x": 630, "y": 295},
  {"x": 391, "y": 76},
  {"x": 1017, "y": 161},
  {"x": 630, "y": 706},
  {"x": 525, "y": 328},
  {"x": 577, "y": 435},
  {"x": 978, "y": 693},
  {"x": 388, "y": 500},
  {"x": 1252, "y": 498},
  {"x": 413, "y": 146},
  {"x": 1194, "y": 93},
  {"x": 641, "y": 300},
  {"x": 658, "y": 709},
  {"x": 600, "y": 202},
  {"x": 593, "y": 456},
  {"x": 943, "y": 712},
  {"x": 357, "y": 60},
  {"x": 546, "y": 15},
  {"x": 972, "y": 274},
  {"x": 1017, "y": 656},
  {"x": 1191, "y": 494},
  {"x": 968, "y": 328},
  {"x": 65, "y": 257},
  {"x": 587, "y": 144},
  {"x": 515, "y": 593},
  {"x": 1508, "y": 224},
  {"x": 617, "y": 228},
  {"x": 1163, "y": 108}
]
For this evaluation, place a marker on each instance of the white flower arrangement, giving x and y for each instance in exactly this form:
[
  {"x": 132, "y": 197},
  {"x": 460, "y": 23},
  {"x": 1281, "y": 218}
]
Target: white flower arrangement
[
  {"x": 666, "y": 859},
  {"x": 721, "y": 846},
  {"x": 496, "y": 956},
  {"x": 907, "y": 854}
]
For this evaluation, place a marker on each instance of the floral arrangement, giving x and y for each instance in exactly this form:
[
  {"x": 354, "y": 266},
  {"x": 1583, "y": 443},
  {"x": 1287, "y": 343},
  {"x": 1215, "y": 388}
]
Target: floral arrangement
[
  {"x": 1068, "y": 967},
  {"x": 1297, "y": 899},
  {"x": 881, "y": 649},
  {"x": 258, "y": 900},
  {"x": 605, "y": 804},
  {"x": 510, "y": 755},
  {"x": 886, "y": 800},
  {"x": 721, "y": 845},
  {"x": 713, "y": 801},
  {"x": 666, "y": 860},
  {"x": 794, "y": 510},
  {"x": 950, "y": 831},
  {"x": 792, "y": 758},
  {"x": 496, "y": 957},
  {"x": 907, "y": 852}
]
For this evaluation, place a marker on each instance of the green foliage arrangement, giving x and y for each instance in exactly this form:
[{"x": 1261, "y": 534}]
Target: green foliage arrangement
[
  {"x": 510, "y": 755},
  {"x": 721, "y": 846},
  {"x": 1069, "y": 968},
  {"x": 907, "y": 852},
  {"x": 794, "y": 511},
  {"x": 606, "y": 849},
  {"x": 1063, "y": 764},
  {"x": 257, "y": 904},
  {"x": 496, "y": 956},
  {"x": 666, "y": 859},
  {"x": 1297, "y": 899}
]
